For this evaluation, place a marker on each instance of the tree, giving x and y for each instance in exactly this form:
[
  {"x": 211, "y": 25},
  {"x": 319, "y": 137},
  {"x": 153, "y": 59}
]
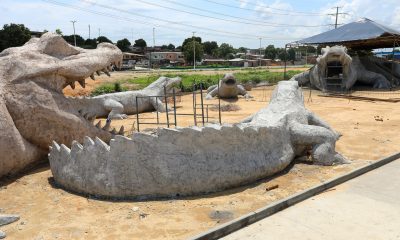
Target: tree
[
  {"x": 90, "y": 43},
  {"x": 291, "y": 54},
  {"x": 164, "y": 47},
  {"x": 140, "y": 43},
  {"x": 171, "y": 47},
  {"x": 188, "y": 51},
  {"x": 187, "y": 40},
  {"x": 103, "y": 39},
  {"x": 70, "y": 39},
  {"x": 270, "y": 52},
  {"x": 209, "y": 47},
  {"x": 58, "y": 31},
  {"x": 13, "y": 35},
  {"x": 282, "y": 54},
  {"x": 225, "y": 50},
  {"x": 123, "y": 44},
  {"x": 242, "y": 49}
]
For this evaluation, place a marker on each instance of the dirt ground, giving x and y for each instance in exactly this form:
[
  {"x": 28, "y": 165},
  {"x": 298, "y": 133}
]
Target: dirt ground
[{"x": 370, "y": 132}]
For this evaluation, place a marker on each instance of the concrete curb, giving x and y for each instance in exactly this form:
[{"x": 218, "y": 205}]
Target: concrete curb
[{"x": 252, "y": 217}]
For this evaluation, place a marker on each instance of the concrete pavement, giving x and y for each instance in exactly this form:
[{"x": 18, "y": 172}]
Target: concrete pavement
[{"x": 367, "y": 207}]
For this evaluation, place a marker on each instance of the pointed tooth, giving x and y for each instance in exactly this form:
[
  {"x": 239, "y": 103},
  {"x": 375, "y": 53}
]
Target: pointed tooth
[
  {"x": 72, "y": 85},
  {"x": 106, "y": 72},
  {"x": 92, "y": 76},
  {"x": 98, "y": 73},
  {"x": 92, "y": 119},
  {"x": 82, "y": 83},
  {"x": 114, "y": 131},
  {"x": 107, "y": 126},
  {"x": 87, "y": 141},
  {"x": 121, "y": 130},
  {"x": 98, "y": 125}
]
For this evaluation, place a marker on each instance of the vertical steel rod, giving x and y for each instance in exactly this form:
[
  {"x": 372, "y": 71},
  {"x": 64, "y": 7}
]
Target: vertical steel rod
[
  {"x": 219, "y": 105},
  {"x": 173, "y": 92},
  {"x": 166, "y": 105},
  {"x": 194, "y": 104},
  {"x": 137, "y": 114},
  {"x": 158, "y": 117},
  {"x": 201, "y": 99}
]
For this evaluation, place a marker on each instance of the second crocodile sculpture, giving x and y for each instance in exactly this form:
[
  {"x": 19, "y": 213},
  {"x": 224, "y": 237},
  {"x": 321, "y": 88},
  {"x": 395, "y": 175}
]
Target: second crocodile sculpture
[
  {"x": 227, "y": 87},
  {"x": 194, "y": 160}
]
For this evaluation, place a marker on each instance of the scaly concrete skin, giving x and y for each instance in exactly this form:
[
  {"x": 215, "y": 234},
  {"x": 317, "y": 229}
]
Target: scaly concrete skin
[
  {"x": 228, "y": 88},
  {"x": 33, "y": 109},
  {"x": 194, "y": 160},
  {"x": 353, "y": 71},
  {"x": 118, "y": 105}
]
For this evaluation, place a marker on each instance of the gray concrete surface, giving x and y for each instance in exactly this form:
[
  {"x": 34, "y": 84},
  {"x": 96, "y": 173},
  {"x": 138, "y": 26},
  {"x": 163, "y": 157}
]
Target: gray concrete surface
[{"x": 367, "y": 207}]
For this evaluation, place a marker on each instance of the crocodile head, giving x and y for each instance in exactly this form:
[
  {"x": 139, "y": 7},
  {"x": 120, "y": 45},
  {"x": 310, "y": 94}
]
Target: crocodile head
[
  {"x": 31, "y": 82},
  {"x": 165, "y": 82},
  {"x": 228, "y": 81},
  {"x": 334, "y": 62}
]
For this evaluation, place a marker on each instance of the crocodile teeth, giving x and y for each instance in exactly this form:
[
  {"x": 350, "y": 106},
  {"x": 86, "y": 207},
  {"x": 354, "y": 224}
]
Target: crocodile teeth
[
  {"x": 92, "y": 76},
  {"x": 72, "y": 85},
  {"x": 114, "y": 131},
  {"x": 107, "y": 126},
  {"x": 106, "y": 72},
  {"x": 98, "y": 125},
  {"x": 82, "y": 83},
  {"x": 121, "y": 131},
  {"x": 98, "y": 73}
]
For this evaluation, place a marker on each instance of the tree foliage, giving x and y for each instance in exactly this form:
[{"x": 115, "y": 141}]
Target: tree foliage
[
  {"x": 140, "y": 43},
  {"x": 124, "y": 45},
  {"x": 225, "y": 51},
  {"x": 58, "y": 31},
  {"x": 190, "y": 39},
  {"x": 270, "y": 52},
  {"x": 209, "y": 47},
  {"x": 70, "y": 39},
  {"x": 103, "y": 39},
  {"x": 188, "y": 51},
  {"x": 171, "y": 47},
  {"x": 13, "y": 35}
]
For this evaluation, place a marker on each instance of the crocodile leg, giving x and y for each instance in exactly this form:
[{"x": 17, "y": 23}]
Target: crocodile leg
[
  {"x": 322, "y": 141},
  {"x": 116, "y": 109}
]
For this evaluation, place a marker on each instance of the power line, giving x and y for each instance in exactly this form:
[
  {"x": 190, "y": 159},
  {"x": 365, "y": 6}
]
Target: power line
[
  {"x": 252, "y": 22},
  {"x": 287, "y": 12},
  {"x": 243, "y": 36},
  {"x": 164, "y": 20},
  {"x": 337, "y": 15}
]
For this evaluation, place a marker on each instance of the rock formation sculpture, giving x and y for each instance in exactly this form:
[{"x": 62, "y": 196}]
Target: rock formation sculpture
[
  {"x": 196, "y": 160},
  {"x": 118, "y": 105},
  {"x": 33, "y": 109},
  {"x": 228, "y": 88},
  {"x": 335, "y": 63}
]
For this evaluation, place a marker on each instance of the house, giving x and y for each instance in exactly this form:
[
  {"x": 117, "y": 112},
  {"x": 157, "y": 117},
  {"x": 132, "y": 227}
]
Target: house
[{"x": 162, "y": 58}]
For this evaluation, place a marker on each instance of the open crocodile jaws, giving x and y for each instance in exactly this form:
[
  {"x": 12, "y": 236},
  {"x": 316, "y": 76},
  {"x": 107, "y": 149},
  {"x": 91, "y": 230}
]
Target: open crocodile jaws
[{"x": 194, "y": 160}]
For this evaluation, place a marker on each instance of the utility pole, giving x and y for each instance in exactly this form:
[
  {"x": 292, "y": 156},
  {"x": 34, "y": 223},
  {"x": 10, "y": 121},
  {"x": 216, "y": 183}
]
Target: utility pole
[
  {"x": 337, "y": 15},
  {"x": 154, "y": 39},
  {"x": 99, "y": 32},
  {"x": 259, "y": 59},
  {"x": 73, "y": 25},
  {"x": 194, "y": 52},
  {"x": 89, "y": 31}
]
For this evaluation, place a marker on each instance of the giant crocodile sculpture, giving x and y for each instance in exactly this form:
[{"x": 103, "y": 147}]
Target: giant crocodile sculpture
[
  {"x": 33, "y": 109},
  {"x": 228, "y": 88},
  {"x": 118, "y": 105},
  {"x": 354, "y": 69},
  {"x": 195, "y": 160}
]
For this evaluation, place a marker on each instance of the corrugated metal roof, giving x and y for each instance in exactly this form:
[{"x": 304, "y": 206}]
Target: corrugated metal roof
[{"x": 356, "y": 34}]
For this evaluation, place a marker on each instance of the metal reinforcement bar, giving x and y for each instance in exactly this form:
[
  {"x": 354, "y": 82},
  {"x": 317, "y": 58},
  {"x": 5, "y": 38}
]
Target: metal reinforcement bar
[{"x": 252, "y": 217}]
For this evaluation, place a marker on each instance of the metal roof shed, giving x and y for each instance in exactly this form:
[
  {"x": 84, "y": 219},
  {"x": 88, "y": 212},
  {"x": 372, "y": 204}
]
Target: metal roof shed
[{"x": 361, "y": 34}]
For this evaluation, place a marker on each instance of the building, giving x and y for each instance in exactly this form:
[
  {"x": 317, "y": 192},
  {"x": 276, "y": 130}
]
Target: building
[
  {"x": 164, "y": 58},
  {"x": 129, "y": 60}
]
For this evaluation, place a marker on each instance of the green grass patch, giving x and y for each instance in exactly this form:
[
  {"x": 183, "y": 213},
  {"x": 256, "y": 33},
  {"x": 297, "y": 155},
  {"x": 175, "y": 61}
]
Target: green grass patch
[{"x": 188, "y": 80}]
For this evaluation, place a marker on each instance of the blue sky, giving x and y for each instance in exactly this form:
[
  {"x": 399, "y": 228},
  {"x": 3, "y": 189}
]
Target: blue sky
[{"x": 239, "y": 24}]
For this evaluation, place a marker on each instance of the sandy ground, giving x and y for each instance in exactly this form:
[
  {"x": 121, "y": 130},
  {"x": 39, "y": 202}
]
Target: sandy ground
[{"x": 370, "y": 132}]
